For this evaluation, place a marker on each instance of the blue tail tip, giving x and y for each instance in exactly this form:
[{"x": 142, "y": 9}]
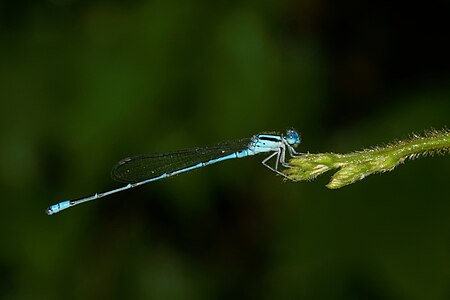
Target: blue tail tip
[{"x": 49, "y": 211}]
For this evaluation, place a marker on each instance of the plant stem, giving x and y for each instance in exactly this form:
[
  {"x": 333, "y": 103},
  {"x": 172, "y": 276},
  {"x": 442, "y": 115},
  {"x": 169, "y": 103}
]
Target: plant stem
[{"x": 357, "y": 165}]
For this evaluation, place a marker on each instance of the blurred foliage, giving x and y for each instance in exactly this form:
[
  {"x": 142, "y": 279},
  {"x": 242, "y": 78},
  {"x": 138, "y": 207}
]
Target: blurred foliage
[{"x": 86, "y": 83}]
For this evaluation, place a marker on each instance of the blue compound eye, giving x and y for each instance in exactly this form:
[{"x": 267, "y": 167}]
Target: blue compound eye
[{"x": 292, "y": 137}]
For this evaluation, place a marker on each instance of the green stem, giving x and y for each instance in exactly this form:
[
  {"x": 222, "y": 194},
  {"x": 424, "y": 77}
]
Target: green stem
[{"x": 357, "y": 165}]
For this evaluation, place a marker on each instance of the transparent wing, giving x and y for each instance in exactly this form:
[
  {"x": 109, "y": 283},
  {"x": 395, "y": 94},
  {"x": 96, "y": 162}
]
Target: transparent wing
[{"x": 142, "y": 167}]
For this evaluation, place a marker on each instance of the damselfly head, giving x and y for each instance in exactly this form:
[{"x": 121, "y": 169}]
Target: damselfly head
[{"x": 292, "y": 137}]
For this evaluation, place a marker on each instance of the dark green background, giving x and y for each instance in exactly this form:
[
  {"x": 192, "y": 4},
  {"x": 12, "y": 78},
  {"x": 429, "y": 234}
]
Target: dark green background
[{"x": 86, "y": 83}]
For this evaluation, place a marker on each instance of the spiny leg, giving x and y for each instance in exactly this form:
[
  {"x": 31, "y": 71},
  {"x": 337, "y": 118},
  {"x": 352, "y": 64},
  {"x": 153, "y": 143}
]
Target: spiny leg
[
  {"x": 294, "y": 153},
  {"x": 283, "y": 158},
  {"x": 277, "y": 161},
  {"x": 264, "y": 162}
]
